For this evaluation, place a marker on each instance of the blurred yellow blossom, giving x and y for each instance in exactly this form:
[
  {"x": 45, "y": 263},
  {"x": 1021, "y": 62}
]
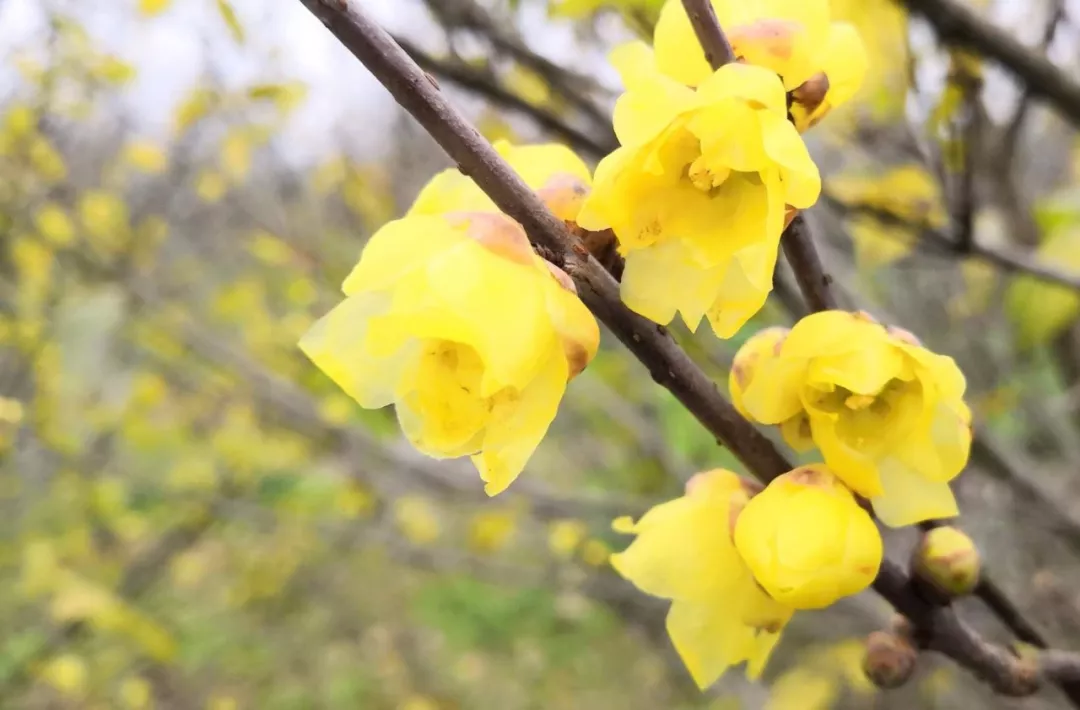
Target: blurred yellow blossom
[
  {"x": 564, "y": 537},
  {"x": 417, "y": 520},
  {"x": 67, "y": 673},
  {"x": 53, "y": 223},
  {"x": 145, "y": 156},
  {"x": 210, "y": 185},
  {"x": 492, "y": 530}
]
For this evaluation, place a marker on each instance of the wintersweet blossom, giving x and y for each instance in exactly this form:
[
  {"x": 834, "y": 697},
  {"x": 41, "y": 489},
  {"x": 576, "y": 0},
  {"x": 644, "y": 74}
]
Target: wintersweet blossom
[
  {"x": 807, "y": 541},
  {"x": 698, "y": 193},
  {"x": 821, "y": 62},
  {"x": 887, "y": 414},
  {"x": 458, "y": 323},
  {"x": 719, "y": 615}
]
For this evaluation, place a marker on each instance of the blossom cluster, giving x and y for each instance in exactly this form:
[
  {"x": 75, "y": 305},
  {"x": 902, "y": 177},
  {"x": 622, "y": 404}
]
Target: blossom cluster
[{"x": 453, "y": 318}]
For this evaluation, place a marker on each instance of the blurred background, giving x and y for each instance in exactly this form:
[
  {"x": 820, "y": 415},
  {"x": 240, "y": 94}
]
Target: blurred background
[{"x": 193, "y": 517}]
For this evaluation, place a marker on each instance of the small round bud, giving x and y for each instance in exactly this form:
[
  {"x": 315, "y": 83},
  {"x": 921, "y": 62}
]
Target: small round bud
[
  {"x": 890, "y": 659},
  {"x": 948, "y": 561}
]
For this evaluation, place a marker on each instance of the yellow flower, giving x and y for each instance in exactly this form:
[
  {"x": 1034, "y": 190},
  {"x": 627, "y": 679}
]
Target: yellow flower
[
  {"x": 696, "y": 194},
  {"x": 887, "y": 414},
  {"x": 559, "y": 177},
  {"x": 472, "y": 336},
  {"x": 807, "y": 541},
  {"x": 821, "y": 62},
  {"x": 684, "y": 552}
]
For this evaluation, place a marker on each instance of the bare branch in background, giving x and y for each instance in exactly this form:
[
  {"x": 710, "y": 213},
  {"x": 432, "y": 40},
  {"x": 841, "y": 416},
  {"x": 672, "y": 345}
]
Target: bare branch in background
[
  {"x": 486, "y": 84},
  {"x": 958, "y": 24},
  {"x": 1011, "y": 260}
]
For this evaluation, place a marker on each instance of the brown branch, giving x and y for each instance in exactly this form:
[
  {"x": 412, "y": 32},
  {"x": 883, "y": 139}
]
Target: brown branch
[
  {"x": 710, "y": 35},
  {"x": 959, "y": 25},
  {"x": 484, "y": 83},
  {"x": 1059, "y": 666},
  {"x": 669, "y": 365},
  {"x": 1010, "y": 137},
  {"x": 814, "y": 283},
  {"x": 1007, "y": 259}
]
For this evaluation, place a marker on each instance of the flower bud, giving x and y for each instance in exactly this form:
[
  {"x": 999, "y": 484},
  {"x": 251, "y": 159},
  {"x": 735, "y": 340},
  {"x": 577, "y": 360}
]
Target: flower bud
[
  {"x": 890, "y": 659},
  {"x": 807, "y": 541},
  {"x": 948, "y": 561}
]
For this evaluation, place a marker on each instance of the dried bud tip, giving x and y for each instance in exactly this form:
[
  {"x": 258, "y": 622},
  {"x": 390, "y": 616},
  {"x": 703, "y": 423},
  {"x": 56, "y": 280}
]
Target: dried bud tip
[
  {"x": 890, "y": 659},
  {"x": 564, "y": 194},
  {"x": 811, "y": 92},
  {"x": 904, "y": 336},
  {"x": 902, "y": 627},
  {"x": 562, "y": 277},
  {"x": 497, "y": 233},
  {"x": 948, "y": 561}
]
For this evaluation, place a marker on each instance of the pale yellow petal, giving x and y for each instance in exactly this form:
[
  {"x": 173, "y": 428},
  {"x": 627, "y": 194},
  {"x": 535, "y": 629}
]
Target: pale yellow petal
[
  {"x": 337, "y": 344},
  {"x": 398, "y": 248},
  {"x": 518, "y": 423},
  {"x": 908, "y": 498}
]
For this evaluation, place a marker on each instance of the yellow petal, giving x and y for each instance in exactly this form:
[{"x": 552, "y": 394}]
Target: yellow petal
[
  {"x": 517, "y": 424},
  {"x": 537, "y": 164},
  {"x": 864, "y": 371},
  {"x": 665, "y": 279},
  {"x": 575, "y": 324},
  {"x": 472, "y": 296},
  {"x": 450, "y": 191},
  {"x": 678, "y": 52},
  {"x": 857, "y": 468},
  {"x": 773, "y": 396},
  {"x": 634, "y": 61},
  {"x": 710, "y": 638},
  {"x": 783, "y": 144},
  {"x": 683, "y": 548},
  {"x": 796, "y": 432},
  {"x": 439, "y": 402},
  {"x": 647, "y": 109},
  {"x": 754, "y": 85},
  {"x": 908, "y": 498},
  {"x": 337, "y": 344},
  {"x": 398, "y": 248}
]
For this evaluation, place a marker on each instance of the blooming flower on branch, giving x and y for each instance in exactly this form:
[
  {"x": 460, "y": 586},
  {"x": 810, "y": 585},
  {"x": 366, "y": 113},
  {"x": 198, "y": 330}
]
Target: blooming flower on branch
[
  {"x": 887, "y": 414},
  {"x": 807, "y": 541},
  {"x": 457, "y": 322},
  {"x": 684, "y": 552},
  {"x": 698, "y": 193},
  {"x": 822, "y": 63},
  {"x": 736, "y": 565}
]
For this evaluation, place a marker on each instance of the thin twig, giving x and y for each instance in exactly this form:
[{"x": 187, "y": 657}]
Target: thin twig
[
  {"x": 668, "y": 364},
  {"x": 710, "y": 35},
  {"x": 1007, "y": 259},
  {"x": 484, "y": 83},
  {"x": 1011, "y": 135},
  {"x": 814, "y": 283},
  {"x": 960, "y": 25}
]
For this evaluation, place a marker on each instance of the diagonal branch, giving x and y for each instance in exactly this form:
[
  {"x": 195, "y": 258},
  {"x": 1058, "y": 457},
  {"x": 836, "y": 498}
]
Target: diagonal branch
[
  {"x": 959, "y": 25},
  {"x": 710, "y": 35},
  {"x": 814, "y": 283}
]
